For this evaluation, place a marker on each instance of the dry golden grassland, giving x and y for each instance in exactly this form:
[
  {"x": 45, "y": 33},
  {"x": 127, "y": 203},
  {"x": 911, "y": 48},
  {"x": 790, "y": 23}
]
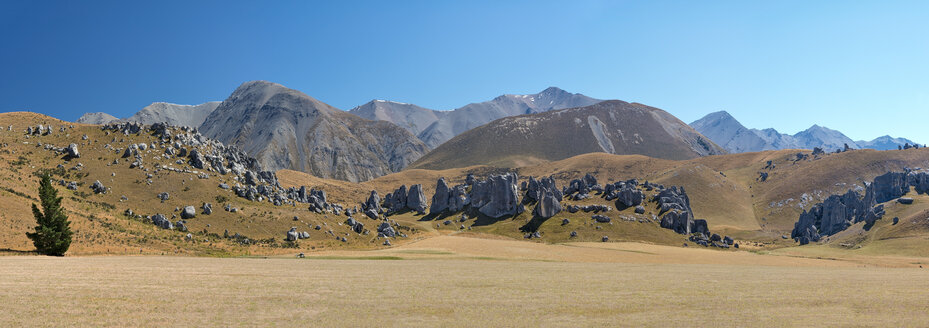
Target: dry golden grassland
[{"x": 431, "y": 284}]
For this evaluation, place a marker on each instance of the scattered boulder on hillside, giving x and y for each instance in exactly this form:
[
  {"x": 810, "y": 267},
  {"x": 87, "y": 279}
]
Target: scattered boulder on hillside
[
  {"x": 73, "y": 152},
  {"x": 164, "y": 196},
  {"x": 385, "y": 230},
  {"x": 905, "y": 200},
  {"x": 189, "y": 212},
  {"x": 640, "y": 209},
  {"x": 207, "y": 209},
  {"x": 292, "y": 235},
  {"x": 161, "y": 221},
  {"x": 98, "y": 187},
  {"x": 181, "y": 225},
  {"x": 601, "y": 218}
]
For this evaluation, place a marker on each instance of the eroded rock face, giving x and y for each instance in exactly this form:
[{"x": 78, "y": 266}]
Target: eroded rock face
[
  {"x": 416, "y": 199},
  {"x": 440, "y": 198},
  {"x": 497, "y": 196},
  {"x": 679, "y": 221},
  {"x": 373, "y": 203},
  {"x": 547, "y": 207},
  {"x": 838, "y": 212},
  {"x": 891, "y": 185}
]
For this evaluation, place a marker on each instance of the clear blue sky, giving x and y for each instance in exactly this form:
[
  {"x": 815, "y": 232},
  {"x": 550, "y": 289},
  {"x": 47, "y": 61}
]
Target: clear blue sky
[{"x": 861, "y": 67}]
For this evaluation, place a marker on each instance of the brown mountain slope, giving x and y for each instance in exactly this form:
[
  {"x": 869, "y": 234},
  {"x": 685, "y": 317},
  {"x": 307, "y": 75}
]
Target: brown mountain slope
[
  {"x": 614, "y": 127},
  {"x": 286, "y": 129}
]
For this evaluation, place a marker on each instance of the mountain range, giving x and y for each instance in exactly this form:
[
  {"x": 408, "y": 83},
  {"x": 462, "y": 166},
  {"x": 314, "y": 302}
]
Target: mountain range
[
  {"x": 435, "y": 127},
  {"x": 174, "y": 114},
  {"x": 729, "y": 133},
  {"x": 287, "y": 129}
]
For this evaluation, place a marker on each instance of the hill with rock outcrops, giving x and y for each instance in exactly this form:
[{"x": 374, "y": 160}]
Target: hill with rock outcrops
[
  {"x": 613, "y": 127},
  {"x": 286, "y": 129},
  {"x": 158, "y": 189}
]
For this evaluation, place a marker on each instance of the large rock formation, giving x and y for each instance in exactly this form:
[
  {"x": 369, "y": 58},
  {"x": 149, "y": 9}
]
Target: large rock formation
[
  {"x": 440, "y": 198},
  {"x": 674, "y": 204},
  {"x": 497, "y": 196},
  {"x": 286, "y": 129},
  {"x": 838, "y": 212}
]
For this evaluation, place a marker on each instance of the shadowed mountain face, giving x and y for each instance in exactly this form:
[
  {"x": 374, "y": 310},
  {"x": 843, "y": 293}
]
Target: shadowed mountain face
[
  {"x": 286, "y": 129},
  {"x": 727, "y": 132},
  {"x": 435, "y": 127},
  {"x": 613, "y": 126}
]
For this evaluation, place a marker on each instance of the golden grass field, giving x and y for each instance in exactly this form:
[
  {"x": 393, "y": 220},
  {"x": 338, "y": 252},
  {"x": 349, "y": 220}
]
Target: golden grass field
[{"x": 468, "y": 282}]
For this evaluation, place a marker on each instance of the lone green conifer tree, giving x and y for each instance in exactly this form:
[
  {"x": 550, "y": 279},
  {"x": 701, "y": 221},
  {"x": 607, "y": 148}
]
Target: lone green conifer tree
[{"x": 53, "y": 234}]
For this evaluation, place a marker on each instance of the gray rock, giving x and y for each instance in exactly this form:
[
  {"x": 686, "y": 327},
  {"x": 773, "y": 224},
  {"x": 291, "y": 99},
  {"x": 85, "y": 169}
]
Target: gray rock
[
  {"x": 440, "y": 198},
  {"x": 601, "y": 218},
  {"x": 497, "y": 196},
  {"x": 640, "y": 209},
  {"x": 73, "y": 152},
  {"x": 293, "y": 235},
  {"x": 189, "y": 212},
  {"x": 207, "y": 209},
  {"x": 547, "y": 207},
  {"x": 416, "y": 200},
  {"x": 161, "y": 221},
  {"x": 373, "y": 203},
  {"x": 98, "y": 187},
  {"x": 385, "y": 229},
  {"x": 164, "y": 196},
  {"x": 679, "y": 221},
  {"x": 905, "y": 200}
]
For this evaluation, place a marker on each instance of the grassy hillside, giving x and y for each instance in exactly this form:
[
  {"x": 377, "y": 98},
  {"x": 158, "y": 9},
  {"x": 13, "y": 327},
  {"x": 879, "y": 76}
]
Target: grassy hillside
[{"x": 725, "y": 190}]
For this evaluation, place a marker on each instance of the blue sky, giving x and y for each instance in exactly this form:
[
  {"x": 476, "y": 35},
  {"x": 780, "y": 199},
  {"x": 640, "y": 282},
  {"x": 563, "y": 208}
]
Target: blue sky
[{"x": 861, "y": 67}]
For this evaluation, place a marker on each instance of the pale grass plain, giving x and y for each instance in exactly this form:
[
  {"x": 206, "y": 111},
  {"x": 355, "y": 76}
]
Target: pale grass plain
[{"x": 431, "y": 283}]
